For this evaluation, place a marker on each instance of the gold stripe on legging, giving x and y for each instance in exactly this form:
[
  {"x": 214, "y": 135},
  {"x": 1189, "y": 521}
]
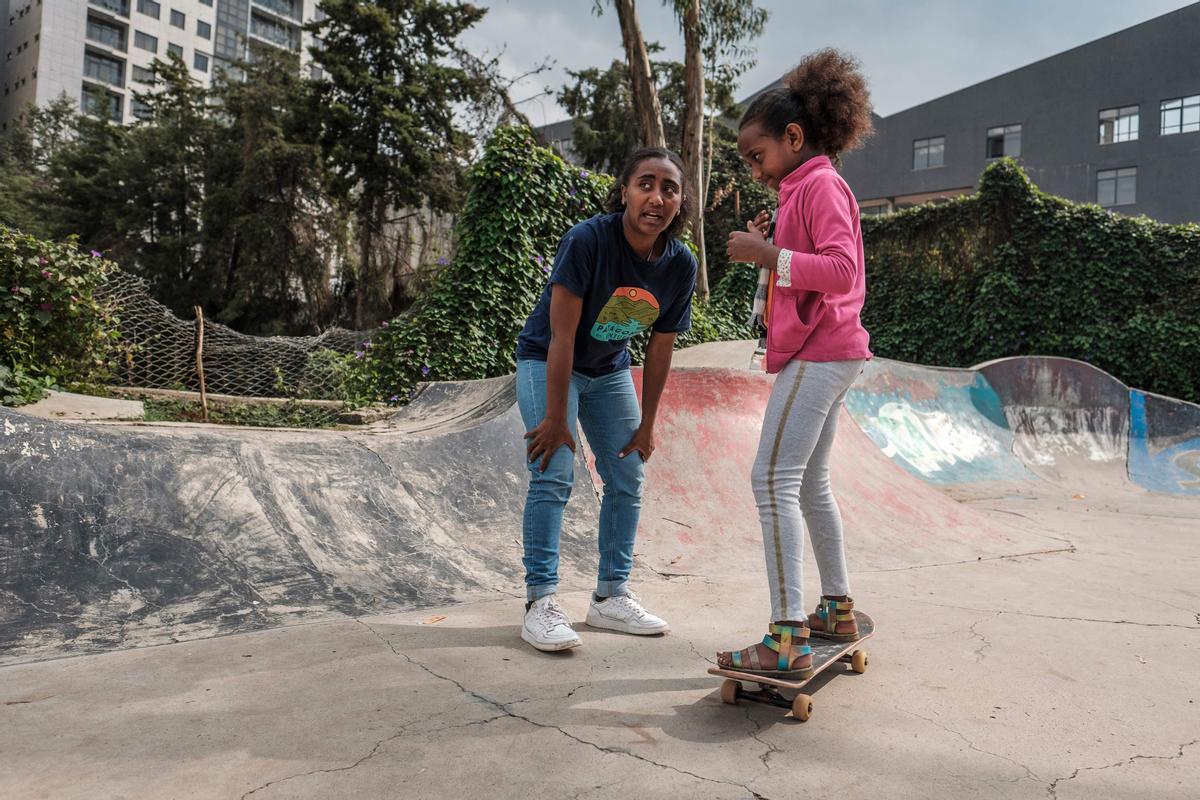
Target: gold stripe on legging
[{"x": 787, "y": 410}]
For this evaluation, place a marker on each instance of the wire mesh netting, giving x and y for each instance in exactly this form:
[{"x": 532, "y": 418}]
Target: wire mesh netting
[{"x": 159, "y": 352}]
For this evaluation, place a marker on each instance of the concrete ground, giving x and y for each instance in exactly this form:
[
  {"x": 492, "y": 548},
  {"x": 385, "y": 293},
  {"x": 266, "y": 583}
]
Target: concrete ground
[{"x": 1071, "y": 674}]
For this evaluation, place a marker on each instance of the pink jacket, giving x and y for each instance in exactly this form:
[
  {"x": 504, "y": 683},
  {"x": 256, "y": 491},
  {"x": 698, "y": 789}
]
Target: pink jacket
[{"x": 814, "y": 314}]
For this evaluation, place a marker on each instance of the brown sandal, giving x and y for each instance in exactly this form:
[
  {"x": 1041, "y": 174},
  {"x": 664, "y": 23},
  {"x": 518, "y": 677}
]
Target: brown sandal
[
  {"x": 832, "y": 615},
  {"x": 789, "y": 639}
]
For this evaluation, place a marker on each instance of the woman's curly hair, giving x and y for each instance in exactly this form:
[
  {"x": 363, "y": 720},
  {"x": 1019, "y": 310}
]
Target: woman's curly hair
[{"x": 826, "y": 95}]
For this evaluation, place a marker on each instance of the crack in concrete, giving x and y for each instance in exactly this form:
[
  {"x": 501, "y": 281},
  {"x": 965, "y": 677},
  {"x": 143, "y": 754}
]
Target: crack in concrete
[
  {"x": 700, "y": 656},
  {"x": 979, "y": 560},
  {"x": 979, "y": 656},
  {"x": 505, "y": 710},
  {"x": 1052, "y": 788},
  {"x": 371, "y": 450},
  {"x": 1028, "y": 772},
  {"x": 771, "y": 750},
  {"x": 1046, "y": 616}
]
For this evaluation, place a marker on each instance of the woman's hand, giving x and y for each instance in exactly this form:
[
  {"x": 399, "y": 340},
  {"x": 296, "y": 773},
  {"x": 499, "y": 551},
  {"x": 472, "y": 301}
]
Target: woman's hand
[
  {"x": 642, "y": 442},
  {"x": 748, "y": 245},
  {"x": 545, "y": 439}
]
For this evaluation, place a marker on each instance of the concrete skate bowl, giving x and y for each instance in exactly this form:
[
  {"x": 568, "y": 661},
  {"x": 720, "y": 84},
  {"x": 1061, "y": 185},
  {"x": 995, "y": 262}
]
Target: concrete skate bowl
[
  {"x": 1028, "y": 425},
  {"x": 119, "y": 535},
  {"x": 124, "y": 535}
]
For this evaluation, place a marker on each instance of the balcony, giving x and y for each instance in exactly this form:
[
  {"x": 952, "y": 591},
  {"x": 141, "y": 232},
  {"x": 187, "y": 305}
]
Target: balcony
[{"x": 288, "y": 10}]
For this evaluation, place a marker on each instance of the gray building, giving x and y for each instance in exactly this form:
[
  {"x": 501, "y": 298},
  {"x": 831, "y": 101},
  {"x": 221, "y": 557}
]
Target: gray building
[
  {"x": 1115, "y": 122},
  {"x": 100, "y": 52}
]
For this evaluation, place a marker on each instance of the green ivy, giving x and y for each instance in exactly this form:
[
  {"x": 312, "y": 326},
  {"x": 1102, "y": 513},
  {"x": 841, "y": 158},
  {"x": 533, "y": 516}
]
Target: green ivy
[
  {"x": 522, "y": 199},
  {"x": 54, "y": 328},
  {"x": 1013, "y": 271}
]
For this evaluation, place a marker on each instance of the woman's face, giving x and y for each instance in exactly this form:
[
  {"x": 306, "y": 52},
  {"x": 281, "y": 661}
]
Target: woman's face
[
  {"x": 770, "y": 158},
  {"x": 652, "y": 195}
]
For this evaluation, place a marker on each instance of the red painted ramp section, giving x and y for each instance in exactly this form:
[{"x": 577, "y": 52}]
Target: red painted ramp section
[{"x": 699, "y": 515}]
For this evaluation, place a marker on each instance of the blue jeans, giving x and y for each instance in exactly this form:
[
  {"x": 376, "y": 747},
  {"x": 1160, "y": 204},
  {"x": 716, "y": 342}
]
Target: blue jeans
[{"x": 607, "y": 409}]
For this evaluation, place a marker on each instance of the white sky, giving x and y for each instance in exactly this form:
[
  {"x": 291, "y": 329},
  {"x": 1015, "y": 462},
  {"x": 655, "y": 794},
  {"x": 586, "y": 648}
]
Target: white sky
[{"x": 911, "y": 50}]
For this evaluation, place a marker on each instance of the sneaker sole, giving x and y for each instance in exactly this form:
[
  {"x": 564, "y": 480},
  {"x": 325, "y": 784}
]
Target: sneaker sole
[
  {"x": 550, "y": 647},
  {"x": 621, "y": 627}
]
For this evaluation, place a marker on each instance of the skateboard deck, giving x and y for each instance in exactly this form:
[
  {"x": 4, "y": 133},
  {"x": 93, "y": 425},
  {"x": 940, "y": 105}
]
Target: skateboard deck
[{"x": 825, "y": 653}]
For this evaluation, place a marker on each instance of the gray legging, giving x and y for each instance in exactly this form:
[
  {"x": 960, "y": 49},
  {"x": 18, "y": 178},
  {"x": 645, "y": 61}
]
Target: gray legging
[{"x": 791, "y": 481}]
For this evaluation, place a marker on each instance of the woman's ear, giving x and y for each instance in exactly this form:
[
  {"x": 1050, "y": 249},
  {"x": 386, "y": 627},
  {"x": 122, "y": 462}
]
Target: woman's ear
[
  {"x": 795, "y": 137},
  {"x": 623, "y": 195}
]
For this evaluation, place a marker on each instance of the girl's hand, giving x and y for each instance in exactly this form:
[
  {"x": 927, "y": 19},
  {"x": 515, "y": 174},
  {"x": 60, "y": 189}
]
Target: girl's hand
[
  {"x": 747, "y": 245},
  {"x": 762, "y": 221},
  {"x": 642, "y": 442},
  {"x": 544, "y": 441}
]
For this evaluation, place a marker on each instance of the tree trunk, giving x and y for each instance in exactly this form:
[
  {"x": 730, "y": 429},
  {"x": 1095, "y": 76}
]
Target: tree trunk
[
  {"x": 645, "y": 95},
  {"x": 693, "y": 133}
]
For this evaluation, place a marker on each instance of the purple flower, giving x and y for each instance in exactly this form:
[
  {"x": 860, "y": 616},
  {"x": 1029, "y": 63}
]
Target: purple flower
[
  {"x": 96, "y": 254},
  {"x": 572, "y": 192},
  {"x": 442, "y": 261},
  {"x": 583, "y": 173},
  {"x": 366, "y": 345},
  {"x": 359, "y": 354},
  {"x": 394, "y": 398},
  {"x": 15, "y": 289},
  {"x": 383, "y": 324},
  {"x": 41, "y": 261},
  {"x": 1022, "y": 333},
  {"x": 47, "y": 274},
  {"x": 425, "y": 370}
]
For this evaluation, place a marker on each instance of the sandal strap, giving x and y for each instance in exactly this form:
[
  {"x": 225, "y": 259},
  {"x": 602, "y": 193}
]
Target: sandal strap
[
  {"x": 788, "y": 652},
  {"x": 792, "y": 631}
]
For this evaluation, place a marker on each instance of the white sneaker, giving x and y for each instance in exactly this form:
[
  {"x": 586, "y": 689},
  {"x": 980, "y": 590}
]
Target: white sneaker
[
  {"x": 624, "y": 613},
  {"x": 547, "y": 627}
]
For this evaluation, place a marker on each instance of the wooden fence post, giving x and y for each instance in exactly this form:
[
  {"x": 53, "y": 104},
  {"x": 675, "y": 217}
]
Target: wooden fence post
[{"x": 200, "y": 359}]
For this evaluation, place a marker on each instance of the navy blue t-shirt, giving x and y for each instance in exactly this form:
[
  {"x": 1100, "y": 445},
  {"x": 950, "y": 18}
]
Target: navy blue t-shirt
[{"x": 623, "y": 295}]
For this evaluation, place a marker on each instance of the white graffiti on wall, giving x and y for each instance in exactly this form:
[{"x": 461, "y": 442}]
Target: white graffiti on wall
[{"x": 931, "y": 441}]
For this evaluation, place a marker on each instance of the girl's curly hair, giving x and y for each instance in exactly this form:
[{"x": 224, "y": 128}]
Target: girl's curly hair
[
  {"x": 614, "y": 203},
  {"x": 826, "y": 95}
]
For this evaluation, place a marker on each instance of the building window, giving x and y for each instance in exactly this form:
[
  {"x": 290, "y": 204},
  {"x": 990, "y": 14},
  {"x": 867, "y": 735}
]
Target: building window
[
  {"x": 929, "y": 153},
  {"x": 1181, "y": 115},
  {"x": 140, "y": 109},
  {"x": 178, "y": 19},
  {"x": 200, "y": 61},
  {"x": 274, "y": 32},
  {"x": 105, "y": 69},
  {"x": 206, "y": 3},
  {"x": 119, "y": 7},
  {"x": 176, "y": 50},
  {"x": 286, "y": 8},
  {"x": 150, "y": 8},
  {"x": 1004, "y": 140},
  {"x": 100, "y": 103},
  {"x": 106, "y": 33},
  {"x": 143, "y": 74},
  {"x": 1116, "y": 187},
  {"x": 145, "y": 41},
  {"x": 203, "y": 29},
  {"x": 1118, "y": 124}
]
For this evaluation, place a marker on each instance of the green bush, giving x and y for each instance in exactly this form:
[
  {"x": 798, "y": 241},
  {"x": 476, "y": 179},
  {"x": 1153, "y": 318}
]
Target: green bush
[
  {"x": 1013, "y": 271},
  {"x": 522, "y": 199},
  {"x": 54, "y": 328}
]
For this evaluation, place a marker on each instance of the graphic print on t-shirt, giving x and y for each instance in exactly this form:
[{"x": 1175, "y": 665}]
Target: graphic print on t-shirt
[{"x": 627, "y": 313}]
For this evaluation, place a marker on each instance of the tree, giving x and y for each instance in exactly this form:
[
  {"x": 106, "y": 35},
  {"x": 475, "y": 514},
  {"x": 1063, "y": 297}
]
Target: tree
[
  {"x": 601, "y": 103},
  {"x": 387, "y": 111},
  {"x": 27, "y": 149},
  {"x": 641, "y": 74},
  {"x": 271, "y": 224}
]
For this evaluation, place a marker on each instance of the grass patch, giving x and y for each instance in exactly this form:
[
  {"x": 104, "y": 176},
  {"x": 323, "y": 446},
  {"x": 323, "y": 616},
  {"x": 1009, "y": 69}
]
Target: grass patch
[{"x": 283, "y": 415}]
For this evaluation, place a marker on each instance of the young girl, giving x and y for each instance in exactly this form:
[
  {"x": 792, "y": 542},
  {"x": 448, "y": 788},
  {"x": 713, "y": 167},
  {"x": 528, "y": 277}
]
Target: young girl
[
  {"x": 614, "y": 276},
  {"x": 791, "y": 136}
]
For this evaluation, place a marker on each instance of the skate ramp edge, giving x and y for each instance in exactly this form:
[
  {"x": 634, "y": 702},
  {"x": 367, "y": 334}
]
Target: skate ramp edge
[{"x": 1027, "y": 420}]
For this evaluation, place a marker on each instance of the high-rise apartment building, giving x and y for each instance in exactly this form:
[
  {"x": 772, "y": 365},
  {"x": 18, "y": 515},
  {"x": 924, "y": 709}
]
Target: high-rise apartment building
[{"x": 100, "y": 52}]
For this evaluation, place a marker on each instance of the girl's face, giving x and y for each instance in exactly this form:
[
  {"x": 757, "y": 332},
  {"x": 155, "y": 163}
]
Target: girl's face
[
  {"x": 771, "y": 159},
  {"x": 652, "y": 196}
]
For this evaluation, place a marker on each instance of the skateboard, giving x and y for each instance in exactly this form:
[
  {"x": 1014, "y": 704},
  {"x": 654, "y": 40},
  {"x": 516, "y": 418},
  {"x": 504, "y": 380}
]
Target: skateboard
[{"x": 825, "y": 653}]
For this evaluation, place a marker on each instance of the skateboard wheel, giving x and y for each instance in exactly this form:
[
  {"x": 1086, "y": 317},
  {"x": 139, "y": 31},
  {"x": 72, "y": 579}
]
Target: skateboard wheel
[
  {"x": 802, "y": 707},
  {"x": 729, "y": 692},
  {"x": 858, "y": 661}
]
